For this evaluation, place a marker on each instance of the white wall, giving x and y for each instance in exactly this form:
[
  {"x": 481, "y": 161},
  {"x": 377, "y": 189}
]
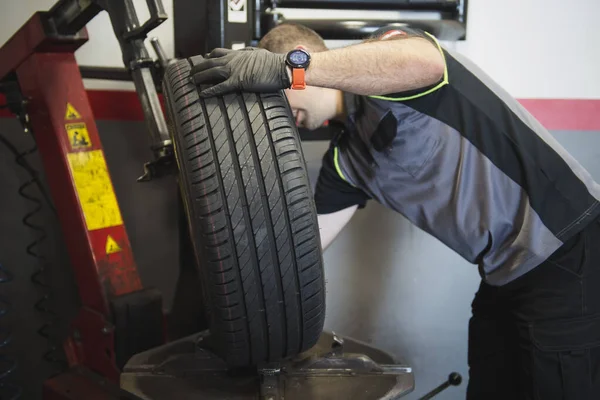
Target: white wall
[
  {"x": 537, "y": 48},
  {"x": 534, "y": 48}
]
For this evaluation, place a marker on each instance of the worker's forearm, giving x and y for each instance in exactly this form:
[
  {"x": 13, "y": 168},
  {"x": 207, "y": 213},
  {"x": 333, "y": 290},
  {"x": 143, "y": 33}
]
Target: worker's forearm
[{"x": 377, "y": 68}]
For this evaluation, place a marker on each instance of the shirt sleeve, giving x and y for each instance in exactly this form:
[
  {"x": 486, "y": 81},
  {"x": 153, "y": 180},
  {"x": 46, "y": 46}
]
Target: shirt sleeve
[{"x": 333, "y": 193}]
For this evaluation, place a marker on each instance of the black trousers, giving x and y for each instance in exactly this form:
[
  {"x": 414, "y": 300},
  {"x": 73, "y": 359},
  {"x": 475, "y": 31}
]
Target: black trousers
[{"x": 538, "y": 337}]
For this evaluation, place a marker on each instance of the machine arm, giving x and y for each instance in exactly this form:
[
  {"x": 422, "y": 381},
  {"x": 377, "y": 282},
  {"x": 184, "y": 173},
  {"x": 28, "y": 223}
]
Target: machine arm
[
  {"x": 67, "y": 17},
  {"x": 131, "y": 37}
]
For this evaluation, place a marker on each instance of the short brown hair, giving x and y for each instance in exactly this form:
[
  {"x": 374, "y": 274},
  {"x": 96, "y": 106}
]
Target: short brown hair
[{"x": 288, "y": 36}]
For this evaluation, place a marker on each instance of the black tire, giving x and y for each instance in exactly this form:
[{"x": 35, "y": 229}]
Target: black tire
[{"x": 252, "y": 219}]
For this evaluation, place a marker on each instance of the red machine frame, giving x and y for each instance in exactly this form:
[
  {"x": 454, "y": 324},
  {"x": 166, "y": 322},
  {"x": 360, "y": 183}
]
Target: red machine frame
[{"x": 96, "y": 238}]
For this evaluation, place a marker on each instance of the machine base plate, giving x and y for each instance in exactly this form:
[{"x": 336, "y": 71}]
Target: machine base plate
[{"x": 335, "y": 368}]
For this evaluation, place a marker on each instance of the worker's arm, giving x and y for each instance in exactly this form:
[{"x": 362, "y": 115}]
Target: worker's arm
[
  {"x": 375, "y": 67},
  {"x": 336, "y": 199},
  {"x": 330, "y": 225},
  {"x": 378, "y": 67}
]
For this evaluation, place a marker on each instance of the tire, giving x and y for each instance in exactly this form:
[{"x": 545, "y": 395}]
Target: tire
[{"x": 252, "y": 220}]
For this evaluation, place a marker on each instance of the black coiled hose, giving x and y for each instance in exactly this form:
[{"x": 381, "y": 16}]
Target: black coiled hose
[
  {"x": 54, "y": 354},
  {"x": 8, "y": 365}
]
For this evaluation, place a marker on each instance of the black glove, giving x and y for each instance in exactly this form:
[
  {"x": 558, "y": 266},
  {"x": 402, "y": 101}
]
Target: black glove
[{"x": 250, "y": 69}]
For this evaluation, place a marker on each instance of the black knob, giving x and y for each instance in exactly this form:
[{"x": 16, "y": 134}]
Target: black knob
[{"x": 455, "y": 379}]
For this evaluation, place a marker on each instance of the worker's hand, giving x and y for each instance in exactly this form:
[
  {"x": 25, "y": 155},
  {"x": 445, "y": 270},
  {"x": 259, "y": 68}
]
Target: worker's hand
[{"x": 250, "y": 69}]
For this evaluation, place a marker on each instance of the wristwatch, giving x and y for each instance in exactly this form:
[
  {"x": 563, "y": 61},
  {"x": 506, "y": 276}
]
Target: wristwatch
[{"x": 298, "y": 60}]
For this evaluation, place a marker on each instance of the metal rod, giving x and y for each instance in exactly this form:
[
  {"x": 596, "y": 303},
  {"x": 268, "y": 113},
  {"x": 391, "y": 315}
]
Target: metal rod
[
  {"x": 394, "y": 369},
  {"x": 453, "y": 380},
  {"x": 385, "y": 370},
  {"x": 107, "y": 73},
  {"x": 160, "y": 52},
  {"x": 155, "y": 119}
]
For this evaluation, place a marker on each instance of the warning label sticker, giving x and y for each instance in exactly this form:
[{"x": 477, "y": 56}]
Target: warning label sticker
[
  {"x": 71, "y": 113},
  {"x": 79, "y": 136},
  {"x": 94, "y": 189},
  {"x": 236, "y": 11},
  {"x": 112, "y": 246}
]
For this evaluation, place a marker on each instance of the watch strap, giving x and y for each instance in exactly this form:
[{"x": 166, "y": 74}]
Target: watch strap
[{"x": 298, "y": 79}]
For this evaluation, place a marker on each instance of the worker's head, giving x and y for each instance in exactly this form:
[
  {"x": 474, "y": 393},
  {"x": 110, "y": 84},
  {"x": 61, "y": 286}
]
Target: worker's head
[{"x": 314, "y": 105}]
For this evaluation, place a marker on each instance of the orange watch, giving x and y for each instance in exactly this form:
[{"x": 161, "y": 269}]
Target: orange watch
[{"x": 298, "y": 60}]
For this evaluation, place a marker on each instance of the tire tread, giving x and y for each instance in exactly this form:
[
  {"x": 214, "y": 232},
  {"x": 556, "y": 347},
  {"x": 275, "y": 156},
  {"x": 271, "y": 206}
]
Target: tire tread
[{"x": 252, "y": 219}]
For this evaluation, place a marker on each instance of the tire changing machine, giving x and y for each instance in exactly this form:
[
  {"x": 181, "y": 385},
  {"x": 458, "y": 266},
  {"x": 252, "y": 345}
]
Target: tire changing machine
[{"x": 108, "y": 357}]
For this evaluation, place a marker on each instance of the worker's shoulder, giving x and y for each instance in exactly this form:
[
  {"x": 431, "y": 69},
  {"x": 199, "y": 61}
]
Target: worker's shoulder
[{"x": 396, "y": 31}]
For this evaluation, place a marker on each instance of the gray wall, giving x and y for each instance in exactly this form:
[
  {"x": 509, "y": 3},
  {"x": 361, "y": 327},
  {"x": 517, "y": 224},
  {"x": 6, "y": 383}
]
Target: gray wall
[{"x": 388, "y": 283}]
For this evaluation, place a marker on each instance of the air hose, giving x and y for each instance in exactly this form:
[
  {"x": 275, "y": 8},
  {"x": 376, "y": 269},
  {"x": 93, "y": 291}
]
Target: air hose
[
  {"x": 8, "y": 365},
  {"x": 53, "y": 354}
]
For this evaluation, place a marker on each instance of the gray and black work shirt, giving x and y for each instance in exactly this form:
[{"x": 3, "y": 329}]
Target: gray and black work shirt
[{"x": 465, "y": 162}]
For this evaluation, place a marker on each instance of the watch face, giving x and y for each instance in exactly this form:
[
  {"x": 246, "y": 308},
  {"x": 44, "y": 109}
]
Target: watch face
[{"x": 298, "y": 58}]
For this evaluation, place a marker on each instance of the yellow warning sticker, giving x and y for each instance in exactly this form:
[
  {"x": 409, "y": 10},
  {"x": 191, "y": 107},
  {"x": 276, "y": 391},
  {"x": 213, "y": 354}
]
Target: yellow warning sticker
[
  {"x": 94, "y": 189},
  {"x": 71, "y": 113},
  {"x": 112, "y": 246},
  {"x": 79, "y": 136}
]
